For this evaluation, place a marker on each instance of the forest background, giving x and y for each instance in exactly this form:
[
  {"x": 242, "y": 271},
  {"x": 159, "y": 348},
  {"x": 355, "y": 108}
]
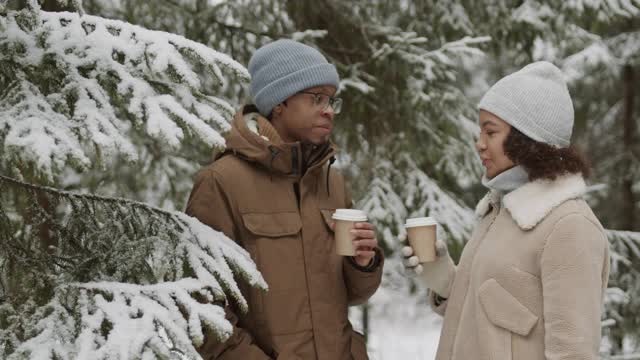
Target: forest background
[{"x": 109, "y": 107}]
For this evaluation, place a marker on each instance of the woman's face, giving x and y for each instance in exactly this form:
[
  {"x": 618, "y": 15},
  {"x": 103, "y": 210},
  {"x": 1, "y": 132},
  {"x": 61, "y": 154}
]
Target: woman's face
[{"x": 493, "y": 132}]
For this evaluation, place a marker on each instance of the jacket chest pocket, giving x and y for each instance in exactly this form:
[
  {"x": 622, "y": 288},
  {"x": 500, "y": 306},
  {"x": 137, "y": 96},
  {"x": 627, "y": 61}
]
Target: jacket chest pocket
[
  {"x": 276, "y": 240},
  {"x": 330, "y": 243},
  {"x": 502, "y": 317},
  {"x": 327, "y": 216}
]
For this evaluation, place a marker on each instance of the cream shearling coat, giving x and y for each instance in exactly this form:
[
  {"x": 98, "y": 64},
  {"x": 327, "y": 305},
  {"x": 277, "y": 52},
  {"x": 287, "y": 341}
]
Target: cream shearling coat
[{"x": 530, "y": 282}]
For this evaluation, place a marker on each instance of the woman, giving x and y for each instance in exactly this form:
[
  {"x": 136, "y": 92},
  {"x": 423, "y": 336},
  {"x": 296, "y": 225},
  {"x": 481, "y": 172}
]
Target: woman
[{"x": 530, "y": 281}]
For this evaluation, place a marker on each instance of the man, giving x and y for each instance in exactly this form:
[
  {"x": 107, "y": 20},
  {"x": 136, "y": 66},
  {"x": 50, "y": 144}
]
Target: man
[{"x": 273, "y": 192}]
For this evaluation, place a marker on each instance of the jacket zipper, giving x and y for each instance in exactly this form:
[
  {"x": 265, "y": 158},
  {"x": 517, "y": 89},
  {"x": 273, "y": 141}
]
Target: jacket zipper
[
  {"x": 294, "y": 171},
  {"x": 294, "y": 161}
]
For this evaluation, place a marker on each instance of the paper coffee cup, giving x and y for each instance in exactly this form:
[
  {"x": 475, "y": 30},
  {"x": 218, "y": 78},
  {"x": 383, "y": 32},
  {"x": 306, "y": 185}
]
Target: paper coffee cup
[
  {"x": 345, "y": 219},
  {"x": 421, "y": 233}
]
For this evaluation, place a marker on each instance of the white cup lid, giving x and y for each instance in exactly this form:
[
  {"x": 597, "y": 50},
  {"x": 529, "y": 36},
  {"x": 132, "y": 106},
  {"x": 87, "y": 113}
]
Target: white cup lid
[
  {"x": 421, "y": 221},
  {"x": 349, "y": 215}
]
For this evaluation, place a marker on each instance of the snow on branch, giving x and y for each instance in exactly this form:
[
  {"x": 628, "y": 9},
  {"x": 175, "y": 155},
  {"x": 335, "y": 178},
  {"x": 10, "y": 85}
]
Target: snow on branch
[
  {"x": 605, "y": 9},
  {"x": 435, "y": 64},
  {"x": 634, "y": 356},
  {"x": 534, "y": 14},
  {"x": 79, "y": 84},
  {"x": 426, "y": 198},
  {"x": 84, "y": 276},
  {"x": 394, "y": 195},
  {"x": 625, "y": 246},
  {"x": 384, "y": 206}
]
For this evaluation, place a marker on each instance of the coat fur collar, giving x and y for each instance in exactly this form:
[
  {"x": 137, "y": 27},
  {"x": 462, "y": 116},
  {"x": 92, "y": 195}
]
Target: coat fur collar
[{"x": 532, "y": 202}]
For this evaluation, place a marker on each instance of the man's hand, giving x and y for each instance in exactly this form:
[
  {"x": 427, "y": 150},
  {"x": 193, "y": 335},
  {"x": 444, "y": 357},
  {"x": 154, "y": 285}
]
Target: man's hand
[{"x": 364, "y": 242}]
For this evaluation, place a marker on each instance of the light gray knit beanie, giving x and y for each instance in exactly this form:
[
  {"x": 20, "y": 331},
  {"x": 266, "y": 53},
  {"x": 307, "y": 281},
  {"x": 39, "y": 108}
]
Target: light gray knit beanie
[
  {"x": 284, "y": 67},
  {"x": 534, "y": 100}
]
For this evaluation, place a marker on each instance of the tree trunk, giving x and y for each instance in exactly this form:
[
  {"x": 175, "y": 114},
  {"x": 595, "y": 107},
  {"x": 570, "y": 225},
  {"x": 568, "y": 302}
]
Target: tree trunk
[
  {"x": 47, "y": 241},
  {"x": 55, "y": 6},
  {"x": 365, "y": 322},
  {"x": 629, "y": 201}
]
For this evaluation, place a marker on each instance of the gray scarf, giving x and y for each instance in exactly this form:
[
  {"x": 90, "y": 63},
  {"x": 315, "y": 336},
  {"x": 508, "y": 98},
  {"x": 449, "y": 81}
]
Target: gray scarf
[{"x": 507, "y": 180}]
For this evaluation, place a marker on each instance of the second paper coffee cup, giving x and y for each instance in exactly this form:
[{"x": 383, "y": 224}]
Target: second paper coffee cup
[
  {"x": 421, "y": 233},
  {"x": 345, "y": 219}
]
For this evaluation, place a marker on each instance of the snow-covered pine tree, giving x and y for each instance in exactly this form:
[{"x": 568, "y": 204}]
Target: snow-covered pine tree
[
  {"x": 165, "y": 181},
  {"x": 380, "y": 99},
  {"x": 621, "y": 321},
  {"x": 391, "y": 57},
  {"x": 80, "y": 271},
  {"x": 118, "y": 280},
  {"x": 384, "y": 50},
  {"x": 407, "y": 130}
]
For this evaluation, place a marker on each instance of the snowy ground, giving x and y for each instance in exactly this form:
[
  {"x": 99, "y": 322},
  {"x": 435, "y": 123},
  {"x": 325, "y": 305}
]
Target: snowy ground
[
  {"x": 403, "y": 337},
  {"x": 401, "y": 327}
]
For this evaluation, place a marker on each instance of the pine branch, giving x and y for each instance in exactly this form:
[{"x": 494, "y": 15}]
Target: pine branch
[
  {"x": 113, "y": 256},
  {"x": 83, "y": 85}
]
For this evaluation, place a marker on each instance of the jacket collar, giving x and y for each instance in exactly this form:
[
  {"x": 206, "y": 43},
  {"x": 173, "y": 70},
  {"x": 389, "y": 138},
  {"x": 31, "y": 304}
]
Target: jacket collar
[
  {"x": 532, "y": 202},
  {"x": 253, "y": 138}
]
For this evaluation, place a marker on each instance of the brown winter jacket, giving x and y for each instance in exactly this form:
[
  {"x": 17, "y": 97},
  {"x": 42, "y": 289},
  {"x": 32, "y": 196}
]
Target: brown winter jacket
[
  {"x": 276, "y": 201},
  {"x": 531, "y": 280}
]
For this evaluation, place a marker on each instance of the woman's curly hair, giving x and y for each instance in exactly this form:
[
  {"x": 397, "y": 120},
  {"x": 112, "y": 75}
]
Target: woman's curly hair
[{"x": 544, "y": 161}]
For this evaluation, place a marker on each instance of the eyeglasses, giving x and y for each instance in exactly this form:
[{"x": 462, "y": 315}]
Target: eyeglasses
[{"x": 323, "y": 100}]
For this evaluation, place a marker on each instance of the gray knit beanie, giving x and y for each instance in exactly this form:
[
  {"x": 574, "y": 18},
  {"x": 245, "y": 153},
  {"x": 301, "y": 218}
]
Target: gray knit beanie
[
  {"x": 284, "y": 67},
  {"x": 534, "y": 100}
]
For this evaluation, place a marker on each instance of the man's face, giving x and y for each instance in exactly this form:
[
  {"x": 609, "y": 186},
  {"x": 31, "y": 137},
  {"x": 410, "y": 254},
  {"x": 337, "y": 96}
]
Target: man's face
[
  {"x": 299, "y": 118},
  {"x": 490, "y": 144}
]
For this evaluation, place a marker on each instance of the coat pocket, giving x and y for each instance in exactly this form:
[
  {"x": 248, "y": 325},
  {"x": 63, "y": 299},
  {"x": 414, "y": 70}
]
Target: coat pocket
[
  {"x": 504, "y": 310},
  {"x": 503, "y": 316},
  {"x": 278, "y": 246},
  {"x": 327, "y": 216},
  {"x": 272, "y": 224},
  {"x": 281, "y": 260}
]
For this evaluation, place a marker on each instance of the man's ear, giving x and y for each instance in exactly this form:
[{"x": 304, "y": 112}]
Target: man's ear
[{"x": 276, "y": 111}]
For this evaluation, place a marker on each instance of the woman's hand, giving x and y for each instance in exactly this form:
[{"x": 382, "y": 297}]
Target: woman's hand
[{"x": 437, "y": 275}]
